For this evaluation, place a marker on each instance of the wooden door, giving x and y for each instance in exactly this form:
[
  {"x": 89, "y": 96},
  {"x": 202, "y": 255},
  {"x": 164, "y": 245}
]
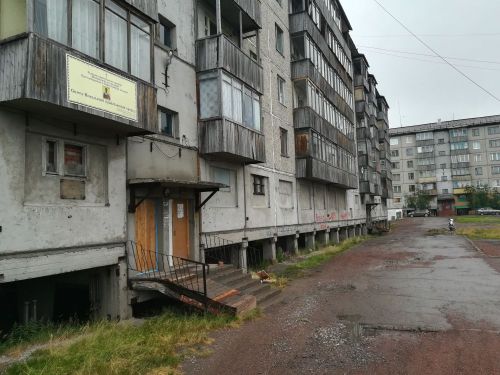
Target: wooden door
[
  {"x": 146, "y": 235},
  {"x": 180, "y": 228}
]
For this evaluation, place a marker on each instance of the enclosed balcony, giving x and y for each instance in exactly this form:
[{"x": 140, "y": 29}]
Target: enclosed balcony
[
  {"x": 220, "y": 52},
  {"x": 319, "y": 159},
  {"x": 69, "y": 71}
]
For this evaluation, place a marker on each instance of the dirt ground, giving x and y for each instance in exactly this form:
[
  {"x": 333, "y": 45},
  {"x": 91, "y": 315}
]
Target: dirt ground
[{"x": 403, "y": 303}]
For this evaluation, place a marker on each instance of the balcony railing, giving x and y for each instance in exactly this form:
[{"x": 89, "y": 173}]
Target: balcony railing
[
  {"x": 251, "y": 8},
  {"x": 226, "y": 140},
  {"x": 219, "y": 52},
  {"x": 34, "y": 77}
]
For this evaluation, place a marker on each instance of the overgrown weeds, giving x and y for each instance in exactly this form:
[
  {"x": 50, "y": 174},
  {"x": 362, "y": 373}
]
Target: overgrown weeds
[
  {"x": 126, "y": 348},
  {"x": 317, "y": 258},
  {"x": 478, "y": 219},
  {"x": 492, "y": 233}
]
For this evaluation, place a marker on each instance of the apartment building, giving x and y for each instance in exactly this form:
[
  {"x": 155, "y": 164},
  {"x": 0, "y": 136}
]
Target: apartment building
[
  {"x": 137, "y": 133},
  {"x": 443, "y": 158}
]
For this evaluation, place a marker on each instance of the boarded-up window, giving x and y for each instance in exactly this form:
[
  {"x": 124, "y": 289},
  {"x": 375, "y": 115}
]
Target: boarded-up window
[
  {"x": 74, "y": 160},
  {"x": 286, "y": 194}
]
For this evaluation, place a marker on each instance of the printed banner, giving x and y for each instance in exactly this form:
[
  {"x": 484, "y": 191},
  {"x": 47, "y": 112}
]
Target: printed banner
[{"x": 100, "y": 89}]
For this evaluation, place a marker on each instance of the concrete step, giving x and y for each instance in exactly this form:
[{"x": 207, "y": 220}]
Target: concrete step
[
  {"x": 232, "y": 278},
  {"x": 267, "y": 295},
  {"x": 264, "y": 305},
  {"x": 244, "y": 284},
  {"x": 227, "y": 276}
]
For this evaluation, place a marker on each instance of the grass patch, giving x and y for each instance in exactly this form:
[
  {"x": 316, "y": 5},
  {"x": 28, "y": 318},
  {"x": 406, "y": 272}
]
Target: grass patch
[
  {"x": 126, "y": 348},
  {"x": 478, "y": 219},
  {"x": 318, "y": 258},
  {"x": 492, "y": 233}
]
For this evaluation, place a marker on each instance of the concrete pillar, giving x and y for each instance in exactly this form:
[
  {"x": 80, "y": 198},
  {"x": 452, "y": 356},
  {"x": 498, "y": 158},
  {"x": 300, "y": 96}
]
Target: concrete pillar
[
  {"x": 334, "y": 236},
  {"x": 292, "y": 243},
  {"x": 352, "y": 232},
  {"x": 243, "y": 255},
  {"x": 202, "y": 253},
  {"x": 323, "y": 238},
  {"x": 364, "y": 230},
  {"x": 124, "y": 309},
  {"x": 310, "y": 240},
  {"x": 270, "y": 248}
]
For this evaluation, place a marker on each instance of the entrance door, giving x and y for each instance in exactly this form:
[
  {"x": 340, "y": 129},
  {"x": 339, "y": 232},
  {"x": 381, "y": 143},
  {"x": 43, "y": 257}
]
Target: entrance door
[
  {"x": 146, "y": 235},
  {"x": 180, "y": 228}
]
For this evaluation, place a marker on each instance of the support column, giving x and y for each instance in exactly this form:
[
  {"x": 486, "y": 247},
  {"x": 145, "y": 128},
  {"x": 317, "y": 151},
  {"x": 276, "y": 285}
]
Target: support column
[
  {"x": 334, "y": 236},
  {"x": 352, "y": 232},
  {"x": 243, "y": 255},
  {"x": 323, "y": 238},
  {"x": 310, "y": 240},
  {"x": 343, "y": 234},
  {"x": 270, "y": 248},
  {"x": 218, "y": 16},
  {"x": 364, "y": 229},
  {"x": 124, "y": 308},
  {"x": 292, "y": 244},
  {"x": 202, "y": 253}
]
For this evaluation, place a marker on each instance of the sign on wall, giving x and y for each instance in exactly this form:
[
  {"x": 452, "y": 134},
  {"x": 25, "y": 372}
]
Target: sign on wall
[{"x": 100, "y": 89}]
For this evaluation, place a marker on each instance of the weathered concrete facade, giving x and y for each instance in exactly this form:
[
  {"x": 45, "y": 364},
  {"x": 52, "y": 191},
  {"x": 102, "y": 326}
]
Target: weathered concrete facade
[{"x": 443, "y": 158}]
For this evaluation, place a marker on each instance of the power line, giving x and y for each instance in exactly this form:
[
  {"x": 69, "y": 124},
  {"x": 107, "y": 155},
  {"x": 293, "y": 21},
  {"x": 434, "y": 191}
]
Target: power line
[
  {"x": 437, "y": 54},
  {"x": 429, "y": 55},
  {"x": 471, "y": 35},
  {"x": 433, "y": 62}
]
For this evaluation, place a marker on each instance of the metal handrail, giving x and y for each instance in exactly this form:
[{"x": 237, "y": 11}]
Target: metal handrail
[{"x": 149, "y": 265}]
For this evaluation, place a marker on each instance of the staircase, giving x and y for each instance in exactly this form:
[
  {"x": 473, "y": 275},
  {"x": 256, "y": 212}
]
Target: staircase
[
  {"x": 231, "y": 277},
  {"x": 214, "y": 288}
]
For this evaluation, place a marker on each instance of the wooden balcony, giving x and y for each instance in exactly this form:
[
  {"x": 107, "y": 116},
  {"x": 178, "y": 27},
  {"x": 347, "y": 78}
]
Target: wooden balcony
[
  {"x": 223, "y": 139},
  {"x": 317, "y": 170},
  {"x": 219, "y": 52},
  {"x": 251, "y": 9},
  {"x": 367, "y": 187},
  {"x": 361, "y": 80},
  {"x": 34, "y": 77},
  {"x": 382, "y": 116}
]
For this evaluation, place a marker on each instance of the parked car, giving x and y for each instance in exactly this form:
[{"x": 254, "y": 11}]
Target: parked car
[
  {"x": 488, "y": 211},
  {"x": 420, "y": 213}
]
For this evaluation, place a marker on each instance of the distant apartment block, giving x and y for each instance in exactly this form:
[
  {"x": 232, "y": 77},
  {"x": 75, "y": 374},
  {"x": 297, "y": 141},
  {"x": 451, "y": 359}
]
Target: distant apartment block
[{"x": 443, "y": 158}]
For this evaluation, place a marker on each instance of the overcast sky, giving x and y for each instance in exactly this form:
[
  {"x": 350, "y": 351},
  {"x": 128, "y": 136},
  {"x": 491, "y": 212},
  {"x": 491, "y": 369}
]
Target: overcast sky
[{"x": 424, "y": 91}]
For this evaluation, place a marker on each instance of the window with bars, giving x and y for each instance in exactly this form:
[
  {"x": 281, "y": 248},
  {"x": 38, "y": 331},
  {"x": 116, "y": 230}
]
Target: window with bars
[{"x": 259, "y": 185}]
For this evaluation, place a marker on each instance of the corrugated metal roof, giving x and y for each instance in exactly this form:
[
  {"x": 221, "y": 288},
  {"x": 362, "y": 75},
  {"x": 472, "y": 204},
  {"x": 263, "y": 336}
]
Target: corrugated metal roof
[{"x": 463, "y": 123}]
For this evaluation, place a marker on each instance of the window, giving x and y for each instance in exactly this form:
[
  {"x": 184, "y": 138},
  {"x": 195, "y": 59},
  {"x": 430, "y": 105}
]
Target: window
[
  {"x": 492, "y": 130},
  {"x": 495, "y": 169},
  {"x": 411, "y": 176},
  {"x": 425, "y": 149},
  {"x": 209, "y": 27},
  {"x": 395, "y": 165},
  {"x": 51, "y": 19},
  {"x": 478, "y": 157},
  {"x": 397, "y": 200},
  {"x": 168, "y": 122},
  {"x": 495, "y": 156},
  {"x": 279, "y": 39},
  {"x": 445, "y": 191},
  {"x": 74, "y": 160},
  {"x": 442, "y": 153},
  {"x": 284, "y": 141},
  {"x": 460, "y": 158},
  {"x": 475, "y": 132},
  {"x": 239, "y": 103},
  {"x": 458, "y": 132},
  {"x": 444, "y": 178},
  {"x": 395, "y": 153},
  {"x": 425, "y": 136},
  {"x": 396, "y": 177},
  {"x": 459, "y": 146},
  {"x": 477, "y": 145},
  {"x": 495, "y": 143},
  {"x": 479, "y": 171},
  {"x": 441, "y": 141},
  {"x": 409, "y": 163},
  {"x": 116, "y": 36},
  {"x": 281, "y": 90},
  {"x": 394, "y": 141},
  {"x": 397, "y": 189},
  {"x": 222, "y": 176},
  {"x": 51, "y": 147},
  {"x": 442, "y": 166},
  {"x": 411, "y": 188},
  {"x": 259, "y": 187},
  {"x": 85, "y": 26},
  {"x": 166, "y": 33},
  {"x": 408, "y": 139},
  {"x": 409, "y": 152},
  {"x": 140, "y": 48}
]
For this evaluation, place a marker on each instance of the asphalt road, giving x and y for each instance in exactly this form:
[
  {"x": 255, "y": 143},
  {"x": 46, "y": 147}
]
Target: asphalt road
[{"x": 403, "y": 303}]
